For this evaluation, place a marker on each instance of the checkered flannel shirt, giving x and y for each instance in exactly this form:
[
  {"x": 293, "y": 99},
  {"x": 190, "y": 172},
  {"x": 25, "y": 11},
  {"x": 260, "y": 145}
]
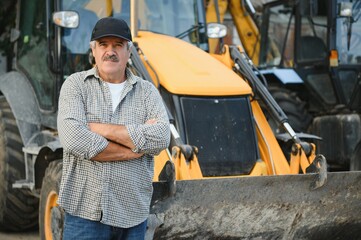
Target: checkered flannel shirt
[{"x": 116, "y": 193}]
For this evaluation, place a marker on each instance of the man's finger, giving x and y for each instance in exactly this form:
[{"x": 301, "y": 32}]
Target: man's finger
[{"x": 151, "y": 121}]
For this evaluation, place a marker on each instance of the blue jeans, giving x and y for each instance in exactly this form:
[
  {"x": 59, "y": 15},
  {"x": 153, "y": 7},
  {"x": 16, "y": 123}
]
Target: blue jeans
[{"x": 80, "y": 229}]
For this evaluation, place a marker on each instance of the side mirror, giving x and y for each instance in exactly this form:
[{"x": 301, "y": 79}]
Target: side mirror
[
  {"x": 66, "y": 19},
  {"x": 345, "y": 9},
  {"x": 216, "y": 30}
]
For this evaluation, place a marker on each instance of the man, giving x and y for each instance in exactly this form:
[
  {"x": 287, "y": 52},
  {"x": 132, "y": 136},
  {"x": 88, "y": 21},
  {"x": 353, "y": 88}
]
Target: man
[{"x": 110, "y": 124}]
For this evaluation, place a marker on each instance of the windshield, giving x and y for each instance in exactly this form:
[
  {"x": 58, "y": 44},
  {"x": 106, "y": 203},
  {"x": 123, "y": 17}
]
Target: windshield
[
  {"x": 172, "y": 18},
  {"x": 227, "y": 145},
  {"x": 279, "y": 48},
  {"x": 278, "y": 18},
  {"x": 349, "y": 36},
  {"x": 178, "y": 18}
]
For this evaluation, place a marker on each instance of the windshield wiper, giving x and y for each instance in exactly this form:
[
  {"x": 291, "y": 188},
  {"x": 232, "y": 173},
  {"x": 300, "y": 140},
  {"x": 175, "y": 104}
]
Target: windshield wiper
[{"x": 190, "y": 30}]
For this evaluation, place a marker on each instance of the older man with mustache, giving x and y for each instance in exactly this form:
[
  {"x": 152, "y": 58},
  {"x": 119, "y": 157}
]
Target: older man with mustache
[{"x": 111, "y": 123}]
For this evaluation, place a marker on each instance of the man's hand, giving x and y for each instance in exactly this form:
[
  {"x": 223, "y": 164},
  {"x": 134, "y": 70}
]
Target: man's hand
[{"x": 151, "y": 121}]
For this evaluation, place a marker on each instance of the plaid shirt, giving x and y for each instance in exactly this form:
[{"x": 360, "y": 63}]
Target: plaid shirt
[{"x": 116, "y": 193}]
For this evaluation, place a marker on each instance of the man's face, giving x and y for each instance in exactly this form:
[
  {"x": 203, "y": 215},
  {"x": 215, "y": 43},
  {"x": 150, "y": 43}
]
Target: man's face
[{"x": 111, "y": 55}]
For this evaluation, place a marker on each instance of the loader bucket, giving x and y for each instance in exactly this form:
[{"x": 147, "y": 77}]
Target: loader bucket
[{"x": 266, "y": 207}]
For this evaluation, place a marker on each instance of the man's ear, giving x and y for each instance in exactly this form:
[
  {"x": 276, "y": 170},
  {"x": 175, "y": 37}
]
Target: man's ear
[{"x": 91, "y": 57}]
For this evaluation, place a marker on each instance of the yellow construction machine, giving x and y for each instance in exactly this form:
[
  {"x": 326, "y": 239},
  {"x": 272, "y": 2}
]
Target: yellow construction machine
[{"x": 224, "y": 175}]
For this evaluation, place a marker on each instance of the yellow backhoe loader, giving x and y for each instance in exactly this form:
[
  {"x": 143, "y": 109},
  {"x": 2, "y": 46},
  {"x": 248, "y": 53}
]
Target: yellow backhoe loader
[{"x": 224, "y": 175}]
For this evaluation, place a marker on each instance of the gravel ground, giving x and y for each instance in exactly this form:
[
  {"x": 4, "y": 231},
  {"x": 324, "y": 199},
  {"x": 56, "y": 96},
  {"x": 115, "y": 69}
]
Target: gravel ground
[{"x": 34, "y": 235}]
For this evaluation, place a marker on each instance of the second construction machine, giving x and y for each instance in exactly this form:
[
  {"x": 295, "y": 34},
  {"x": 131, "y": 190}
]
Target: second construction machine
[
  {"x": 310, "y": 54},
  {"x": 224, "y": 176}
]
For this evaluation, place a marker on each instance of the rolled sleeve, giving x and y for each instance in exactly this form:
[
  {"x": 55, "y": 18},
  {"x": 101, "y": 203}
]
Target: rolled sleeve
[{"x": 151, "y": 138}]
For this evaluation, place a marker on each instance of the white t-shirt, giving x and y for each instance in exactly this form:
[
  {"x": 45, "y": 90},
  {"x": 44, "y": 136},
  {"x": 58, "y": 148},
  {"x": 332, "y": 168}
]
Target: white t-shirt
[{"x": 115, "y": 90}]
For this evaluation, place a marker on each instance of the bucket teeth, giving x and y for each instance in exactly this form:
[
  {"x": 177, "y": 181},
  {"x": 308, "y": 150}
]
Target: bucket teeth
[{"x": 318, "y": 166}]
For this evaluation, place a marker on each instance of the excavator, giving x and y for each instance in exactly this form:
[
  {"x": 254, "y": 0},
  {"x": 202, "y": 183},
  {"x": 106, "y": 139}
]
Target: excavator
[
  {"x": 309, "y": 53},
  {"x": 224, "y": 175}
]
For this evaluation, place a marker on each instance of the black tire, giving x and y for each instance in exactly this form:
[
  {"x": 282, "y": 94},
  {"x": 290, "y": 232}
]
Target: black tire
[
  {"x": 18, "y": 207},
  {"x": 51, "y": 219},
  {"x": 355, "y": 162},
  {"x": 294, "y": 108}
]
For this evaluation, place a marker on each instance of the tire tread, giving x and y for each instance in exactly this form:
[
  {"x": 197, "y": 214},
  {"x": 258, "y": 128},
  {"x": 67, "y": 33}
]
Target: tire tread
[{"x": 18, "y": 207}]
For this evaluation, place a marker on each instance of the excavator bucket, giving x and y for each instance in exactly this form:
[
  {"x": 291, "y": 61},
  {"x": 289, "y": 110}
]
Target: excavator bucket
[{"x": 265, "y": 207}]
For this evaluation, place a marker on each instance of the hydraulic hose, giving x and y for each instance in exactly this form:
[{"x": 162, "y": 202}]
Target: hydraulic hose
[{"x": 243, "y": 65}]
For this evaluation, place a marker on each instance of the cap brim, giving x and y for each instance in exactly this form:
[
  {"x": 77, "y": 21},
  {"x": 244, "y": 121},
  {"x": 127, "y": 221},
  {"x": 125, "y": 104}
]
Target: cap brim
[{"x": 110, "y": 35}]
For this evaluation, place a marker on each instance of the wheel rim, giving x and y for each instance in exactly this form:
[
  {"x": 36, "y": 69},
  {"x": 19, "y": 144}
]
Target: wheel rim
[{"x": 50, "y": 204}]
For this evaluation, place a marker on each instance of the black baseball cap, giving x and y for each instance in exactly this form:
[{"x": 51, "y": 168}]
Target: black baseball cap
[{"x": 109, "y": 26}]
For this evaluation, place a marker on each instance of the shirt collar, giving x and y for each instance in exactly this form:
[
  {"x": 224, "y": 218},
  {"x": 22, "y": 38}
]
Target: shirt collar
[{"x": 131, "y": 78}]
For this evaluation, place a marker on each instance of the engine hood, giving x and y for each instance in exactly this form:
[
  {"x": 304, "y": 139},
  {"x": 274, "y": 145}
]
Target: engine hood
[{"x": 187, "y": 70}]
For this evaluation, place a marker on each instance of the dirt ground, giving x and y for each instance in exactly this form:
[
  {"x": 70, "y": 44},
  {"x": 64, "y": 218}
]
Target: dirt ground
[{"x": 34, "y": 235}]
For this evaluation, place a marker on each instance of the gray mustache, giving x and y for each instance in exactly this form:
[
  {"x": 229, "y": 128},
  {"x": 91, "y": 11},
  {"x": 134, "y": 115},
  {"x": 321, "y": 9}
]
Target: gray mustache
[{"x": 112, "y": 58}]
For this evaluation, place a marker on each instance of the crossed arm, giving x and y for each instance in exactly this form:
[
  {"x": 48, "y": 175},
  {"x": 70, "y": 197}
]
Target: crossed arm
[
  {"x": 104, "y": 141},
  {"x": 120, "y": 145},
  {"x": 116, "y": 152}
]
